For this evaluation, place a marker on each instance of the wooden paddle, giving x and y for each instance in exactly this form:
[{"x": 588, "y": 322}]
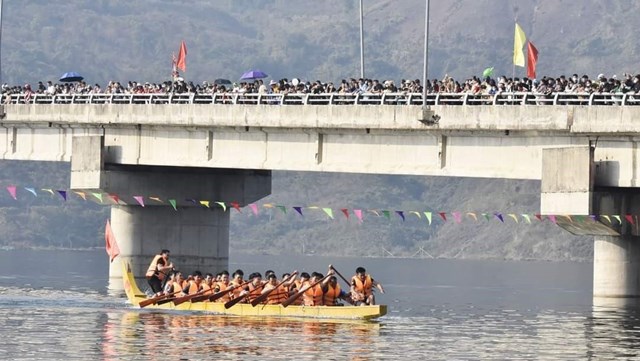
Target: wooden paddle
[
  {"x": 263, "y": 296},
  {"x": 236, "y": 300},
  {"x": 341, "y": 276},
  {"x": 183, "y": 299},
  {"x": 292, "y": 299},
  {"x": 152, "y": 300},
  {"x": 216, "y": 295}
]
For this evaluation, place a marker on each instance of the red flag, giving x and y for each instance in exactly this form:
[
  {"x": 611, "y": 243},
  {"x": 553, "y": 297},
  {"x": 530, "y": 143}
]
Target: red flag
[
  {"x": 112, "y": 246},
  {"x": 532, "y": 60},
  {"x": 181, "y": 63}
]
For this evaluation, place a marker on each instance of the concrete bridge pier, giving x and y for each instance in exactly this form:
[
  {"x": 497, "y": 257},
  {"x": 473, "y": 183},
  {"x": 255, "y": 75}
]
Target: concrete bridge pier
[
  {"x": 196, "y": 232},
  {"x": 569, "y": 187}
]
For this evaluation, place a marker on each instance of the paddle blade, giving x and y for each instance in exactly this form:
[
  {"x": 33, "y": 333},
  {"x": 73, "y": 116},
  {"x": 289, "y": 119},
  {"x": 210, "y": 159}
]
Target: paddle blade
[
  {"x": 292, "y": 299},
  {"x": 234, "y": 301}
]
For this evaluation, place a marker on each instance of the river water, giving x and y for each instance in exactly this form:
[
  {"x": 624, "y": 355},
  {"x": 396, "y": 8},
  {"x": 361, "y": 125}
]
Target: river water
[{"x": 54, "y": 305}]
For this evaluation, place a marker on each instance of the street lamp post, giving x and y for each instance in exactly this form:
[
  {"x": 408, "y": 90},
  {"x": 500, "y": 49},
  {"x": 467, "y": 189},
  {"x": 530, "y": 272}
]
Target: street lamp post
[
  {"x": 425, "y": 74},
  {"x": 361, "y": 42}
]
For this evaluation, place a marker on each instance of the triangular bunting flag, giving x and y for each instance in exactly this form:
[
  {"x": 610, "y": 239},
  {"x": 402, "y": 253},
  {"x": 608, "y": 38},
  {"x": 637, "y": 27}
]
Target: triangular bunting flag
[
  {"x": 62, "y": 194},
  {"x": 386, "y": 214},
  {"x": 224, "y": 206},
  {"x": 568, "y": 217},
  {"x": 499, "y": 216},
  {"x": 82, "y": 195},
  {"x": 205, "y": 204},
  {"x": 49, "y": 190},
  {"x": 298, "y": 209},
  {"x": 282, "y": 208},
  {"x": 31, "y": 190},
  {"x": 313, "y": 207},
  {"x": 267, "y": 205},
  {"x": 254, "y": 208},
  {"x": 115, "y": 197},
  {"x": 457, "y": 216},
  {"x": 416, "y": 213},
  {"x": 607, "y": 218},
  {"x": 111, "y": 245},
  {"x": 526, "y": 218},
  {"x": 345, "y": 212},
  {"x": 617, "y": 217},
  {"x": 401, "y": 214},
  {"x": 374, "y": 212},
  {"x": 593, "y": 217},
  {"x": 173, "y": 204},
  {"x": 513, "y": 216},
  {"x": 472, "y": 215},
  {"x": 12, "y": 192},
  {"x": 443, "y": 215},
  {"x": 427, "y": 215},
  {"x": 98, "y": 196},
  {"x": 486, "y": 216},
  {"x": 156, "y": 199},
  {"x": 552, "y": 218},
  {"x": 539, "y": 216},
  {"x": 236, "y": 206},
  {"x": 140, "y": 200},
  {"x": 629, "y": 218},
  {"x": 358, "y": 213},
  {"x": 329, "y": 212}
]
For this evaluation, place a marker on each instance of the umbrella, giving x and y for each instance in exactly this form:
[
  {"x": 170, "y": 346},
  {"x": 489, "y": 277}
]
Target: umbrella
[
  {"x": 222, "y": 82},
  {"x": 71, "y": 77},
  {"x": 253, "y": 74}
]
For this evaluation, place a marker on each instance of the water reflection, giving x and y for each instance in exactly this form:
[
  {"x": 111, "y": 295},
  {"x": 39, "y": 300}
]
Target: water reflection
[
  {"x": 200, "y": 336},
  {"x": 614, "y": 328}
]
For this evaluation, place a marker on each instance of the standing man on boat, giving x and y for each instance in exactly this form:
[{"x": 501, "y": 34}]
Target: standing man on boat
[
  {"x": 362, "y": 288},
  {"x": 158, "y": 271}
]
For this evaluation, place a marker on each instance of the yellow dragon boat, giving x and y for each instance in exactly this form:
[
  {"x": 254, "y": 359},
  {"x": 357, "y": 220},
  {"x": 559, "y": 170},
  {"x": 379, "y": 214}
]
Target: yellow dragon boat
[{"x": 135, "y": 296}]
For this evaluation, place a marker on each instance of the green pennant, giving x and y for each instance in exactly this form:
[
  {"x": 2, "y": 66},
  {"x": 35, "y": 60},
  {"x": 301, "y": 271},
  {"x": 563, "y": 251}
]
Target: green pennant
[
  {"x": 221, "y": 204},
  {"x": 427, "y": 215},
  {"x": 98, "y": 196},
  {"x": 173, "y": 204},
  {"x": 386, "y": 214},
  {"x": 282, "y": 208},
  {"x": 329, "y": 212}
]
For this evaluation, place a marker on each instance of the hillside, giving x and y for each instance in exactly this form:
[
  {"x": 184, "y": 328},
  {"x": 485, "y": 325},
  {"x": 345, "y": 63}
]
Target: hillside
[{"x": 125, "y": 40}]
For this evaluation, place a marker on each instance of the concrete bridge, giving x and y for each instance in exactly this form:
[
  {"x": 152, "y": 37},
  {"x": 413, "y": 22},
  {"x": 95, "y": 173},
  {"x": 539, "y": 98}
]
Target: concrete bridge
[{"x": 584, "y": 151}]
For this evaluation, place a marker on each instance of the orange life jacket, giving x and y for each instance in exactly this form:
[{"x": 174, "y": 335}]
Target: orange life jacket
[
  {"x": 364, "y": 288},
  {"x": 332, "y": 294},
  {"x": 254, "y": 292},
  {"x": 300, "y": 300},
  {"x": 278, "y": 295},
  {"x": 177, "y": 288},
  {"x": 236, "y": 292},
  {"x": 193, "y": 287},
  {"x": 313, "y": 296},
  {"x": 153, "y": 268},
  {"x": 222, "y": 287}
]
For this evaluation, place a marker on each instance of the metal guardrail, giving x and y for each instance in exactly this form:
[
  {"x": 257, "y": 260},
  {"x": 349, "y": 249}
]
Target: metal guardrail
[{"x": 334, "y": 99}]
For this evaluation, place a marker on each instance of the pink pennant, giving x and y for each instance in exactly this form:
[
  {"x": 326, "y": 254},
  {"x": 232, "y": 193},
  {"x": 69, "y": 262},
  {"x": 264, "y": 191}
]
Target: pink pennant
[
  {"x": 12, "y": 191},
  {"x": 358, "y": 213},
  {"x": 254, "y": 208},
  {"x": 457, "y": 216},
  {"x": 139, "y": 199},
  {"x": 552, "y": 218},
  {"x": 629, "y": 218},
  {"x": 345, "y": 212}
]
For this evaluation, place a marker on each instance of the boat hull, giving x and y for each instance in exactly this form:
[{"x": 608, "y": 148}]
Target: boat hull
[{"x": 135, "y": 296}]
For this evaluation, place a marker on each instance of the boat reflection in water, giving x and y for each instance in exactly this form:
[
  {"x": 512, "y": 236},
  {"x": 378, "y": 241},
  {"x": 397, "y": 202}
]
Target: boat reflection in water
[{"x": 154, "y": 335}]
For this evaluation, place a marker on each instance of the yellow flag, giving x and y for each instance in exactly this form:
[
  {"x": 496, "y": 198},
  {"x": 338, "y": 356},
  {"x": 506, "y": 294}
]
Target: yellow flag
[{"x": 518, "y": 43}]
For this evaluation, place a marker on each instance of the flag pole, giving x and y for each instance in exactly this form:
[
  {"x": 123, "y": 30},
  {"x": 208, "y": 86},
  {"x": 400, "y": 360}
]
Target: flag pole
[{"x": 361, "y": 41}]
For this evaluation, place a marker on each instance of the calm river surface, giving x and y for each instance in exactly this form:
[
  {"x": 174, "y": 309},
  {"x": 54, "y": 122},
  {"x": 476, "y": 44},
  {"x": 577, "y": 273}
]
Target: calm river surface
[{"x": 54, "y": 306}]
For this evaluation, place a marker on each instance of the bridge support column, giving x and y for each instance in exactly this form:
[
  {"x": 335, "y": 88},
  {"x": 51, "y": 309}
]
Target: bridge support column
[
  {"x": 196, "y": 232},
  {"x": 569, "y": 188},
  {"x": 616, "y": 266}
]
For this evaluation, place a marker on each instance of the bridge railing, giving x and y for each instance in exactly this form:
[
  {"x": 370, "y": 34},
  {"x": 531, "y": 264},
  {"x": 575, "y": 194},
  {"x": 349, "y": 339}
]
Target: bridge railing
[{"x": 516, "y": 98}]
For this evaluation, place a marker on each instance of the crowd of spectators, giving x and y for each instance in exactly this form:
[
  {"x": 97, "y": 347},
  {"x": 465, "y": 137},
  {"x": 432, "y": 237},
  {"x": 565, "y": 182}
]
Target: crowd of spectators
[{"x": 474, "y": 85}]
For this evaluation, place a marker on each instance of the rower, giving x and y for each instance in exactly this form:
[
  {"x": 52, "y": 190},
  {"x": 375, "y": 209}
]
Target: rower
[
  {"x": 157, "y": 271},
  {"x": 223, "y": 285},
  {"x": 332, "y": 293},
  {"x": 362, "y": 288},
  {"x": 253, "y": 288},
  {"x": 312, "y": 296},
  {"x": 297, "y": 285},
  {"x": 237, "y": 280},
  {"x": 178, "y": 285},
  {"x": 194, "y": 284},
  {"x": 280, "y": 292}
]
